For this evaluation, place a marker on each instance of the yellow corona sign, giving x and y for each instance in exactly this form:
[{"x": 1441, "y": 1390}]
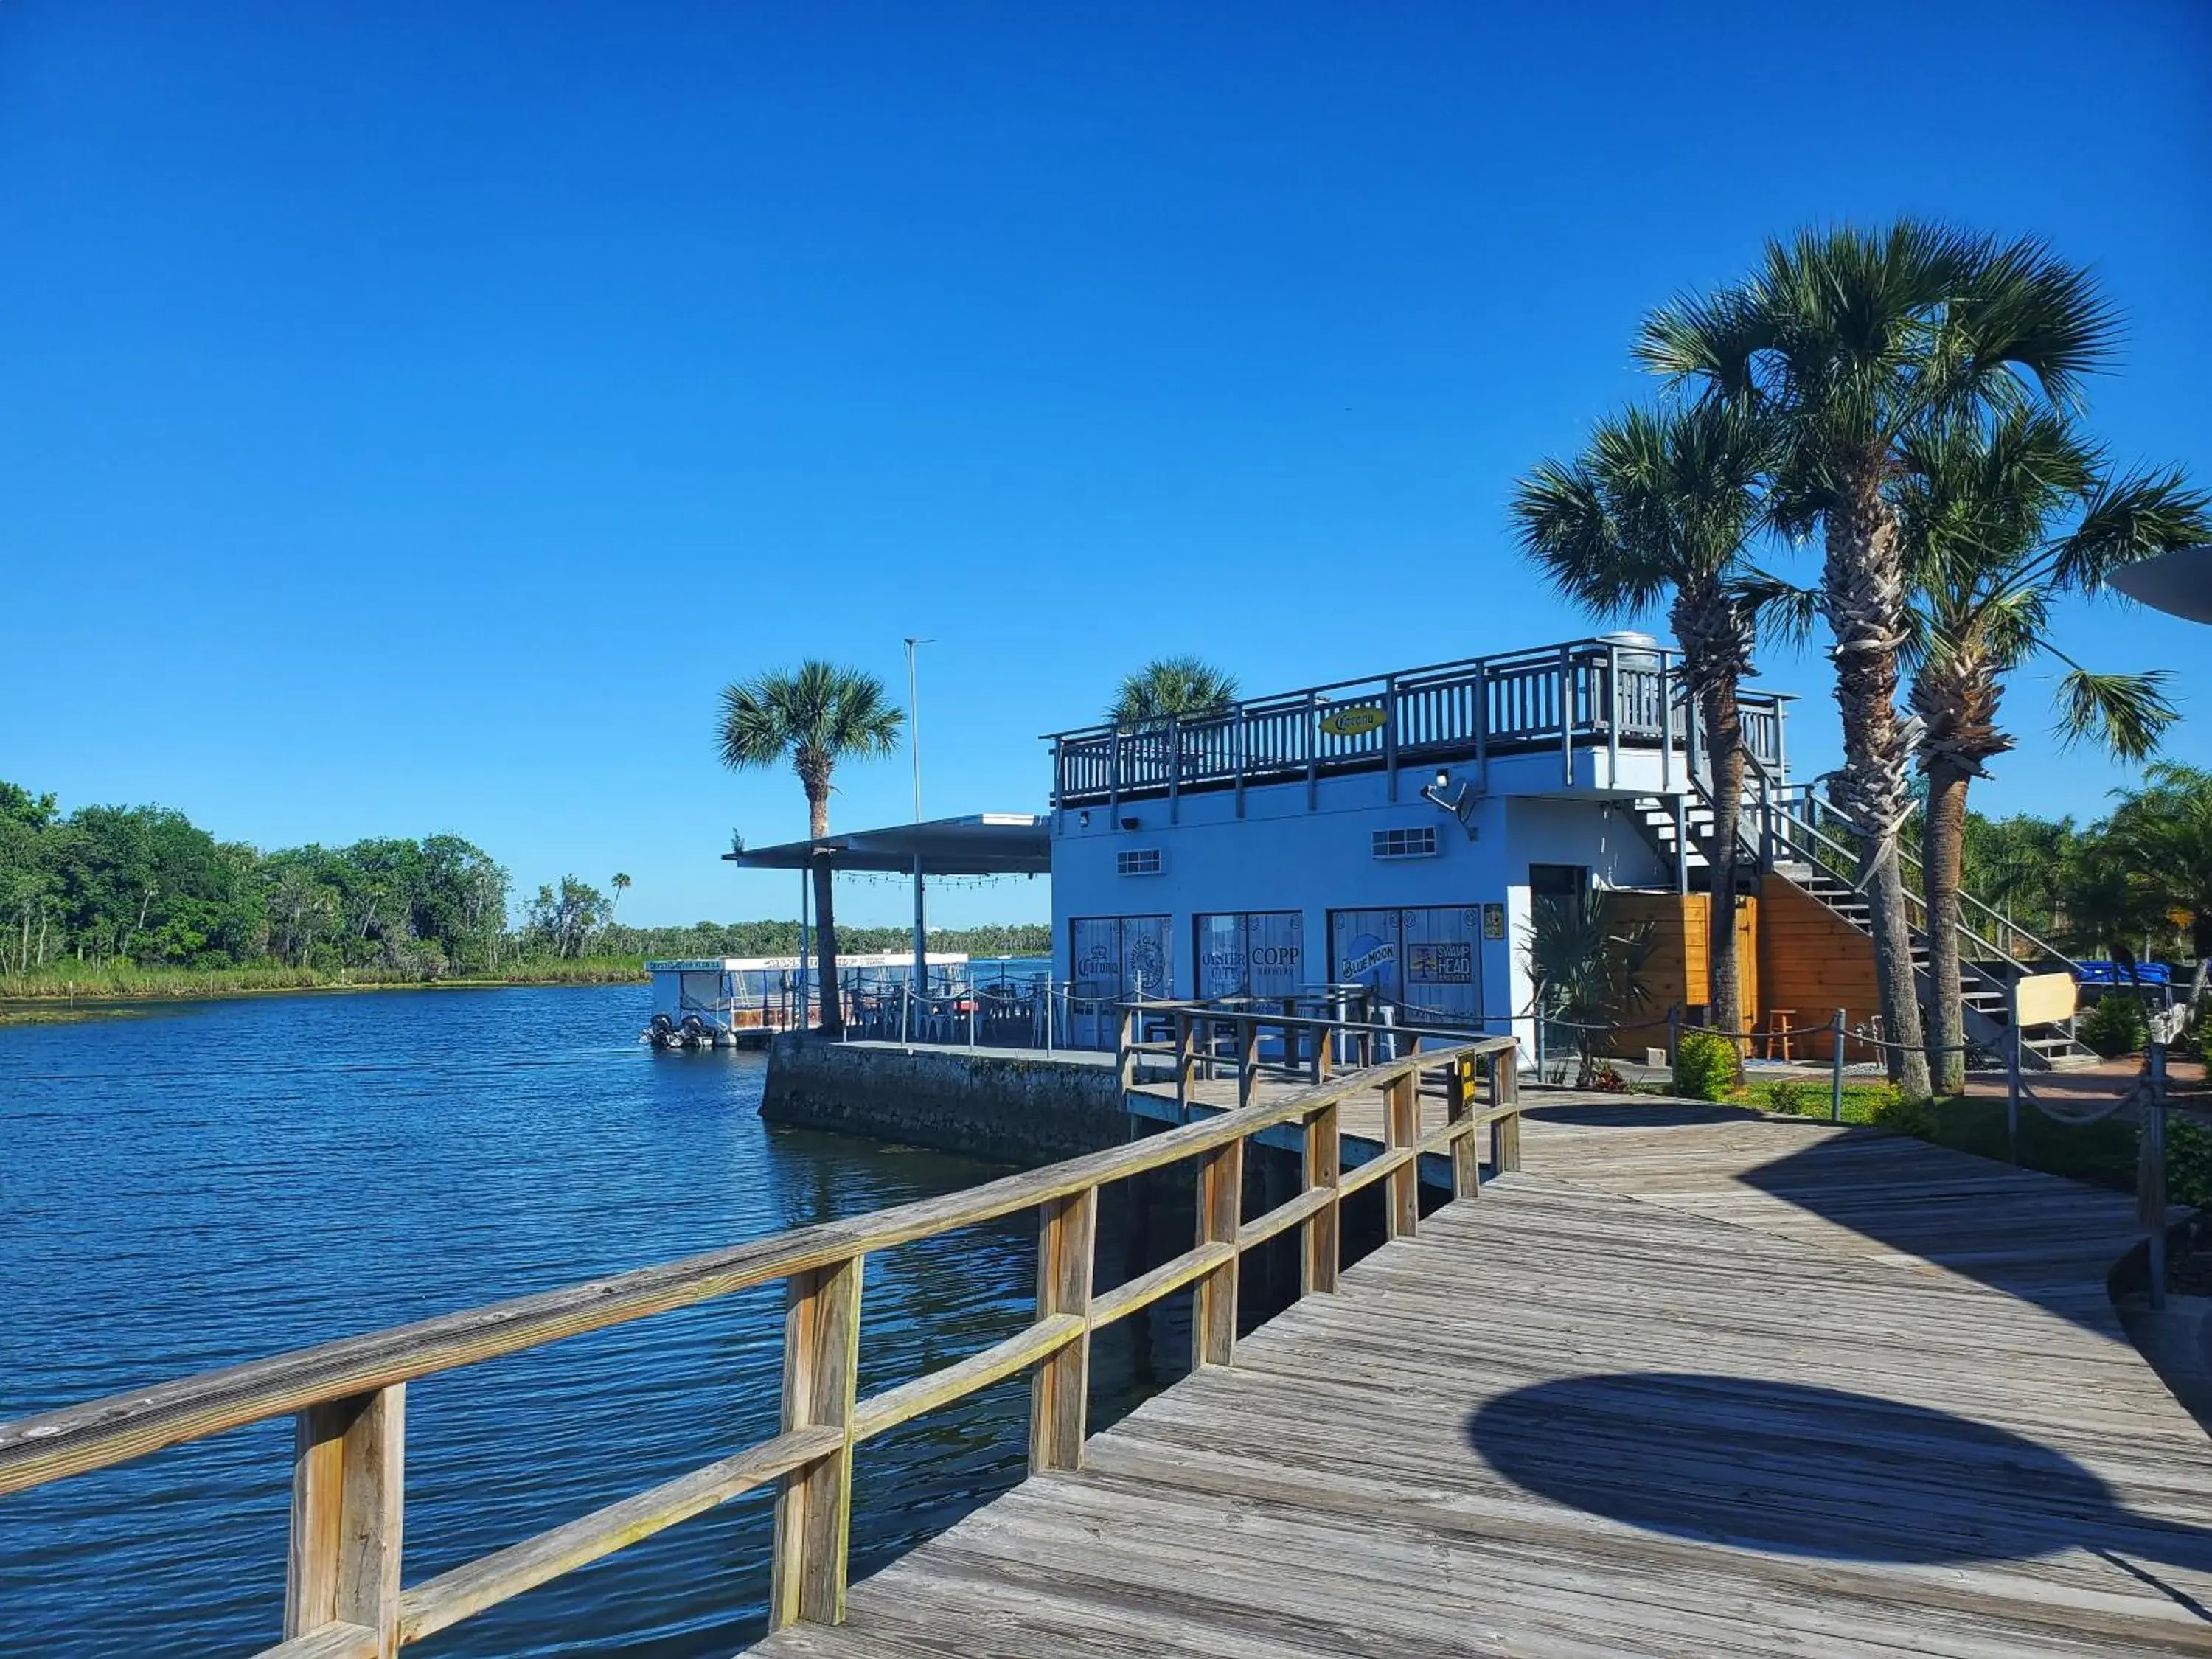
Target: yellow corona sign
[{"x": 1353, "y": 720}]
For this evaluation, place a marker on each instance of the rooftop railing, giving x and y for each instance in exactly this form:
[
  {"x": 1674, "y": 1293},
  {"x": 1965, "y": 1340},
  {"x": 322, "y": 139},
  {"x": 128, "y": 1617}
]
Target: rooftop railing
[{"x": 1617, "y": 693}]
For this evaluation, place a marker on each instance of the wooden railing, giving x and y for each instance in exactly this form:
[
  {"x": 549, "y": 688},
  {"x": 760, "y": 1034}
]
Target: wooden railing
[
  {"x": 1556, "y": 697},
  {"x": 345, "y": 1595}
]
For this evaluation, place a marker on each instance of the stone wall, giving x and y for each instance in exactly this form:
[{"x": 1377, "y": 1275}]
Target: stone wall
[{"x": 1003, "y": 1107}]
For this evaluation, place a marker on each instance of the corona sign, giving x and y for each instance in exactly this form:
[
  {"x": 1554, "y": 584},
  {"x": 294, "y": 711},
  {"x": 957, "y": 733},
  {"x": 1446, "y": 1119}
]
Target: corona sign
[{"x": 1353, "y": 720}]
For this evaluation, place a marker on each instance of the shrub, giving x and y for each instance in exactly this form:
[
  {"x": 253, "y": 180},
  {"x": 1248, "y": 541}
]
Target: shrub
[
  {"x": 1893, "y": 1112},
  {"x": 2188, "y": 1161},
  {"x": 1704, "y": 1067},
  {"x": 1796, "y": 1097},
  {"x": 2113, "y": 1024},
  {"x": 1606, "y": 1079}
]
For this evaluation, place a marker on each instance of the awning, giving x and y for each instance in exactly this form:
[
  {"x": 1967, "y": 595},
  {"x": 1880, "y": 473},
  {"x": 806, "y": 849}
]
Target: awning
[
  {"x": 982, "y": 844},
  {"x": 2179, "y": 583}
]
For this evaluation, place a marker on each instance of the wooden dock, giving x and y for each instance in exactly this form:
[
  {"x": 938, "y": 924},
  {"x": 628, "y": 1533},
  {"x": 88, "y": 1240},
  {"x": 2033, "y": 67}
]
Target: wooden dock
[{"x": 1692, "y": 1383}]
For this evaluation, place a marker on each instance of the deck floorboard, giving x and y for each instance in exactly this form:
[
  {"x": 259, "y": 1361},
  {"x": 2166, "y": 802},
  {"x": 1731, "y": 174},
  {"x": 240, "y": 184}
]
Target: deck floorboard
[{"x": 1693, "y": 1384}]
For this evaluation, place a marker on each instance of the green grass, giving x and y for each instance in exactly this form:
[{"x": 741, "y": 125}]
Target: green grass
[
  {"x": 2102, "y": 1154},
  {"x": 128, "y": 982}
]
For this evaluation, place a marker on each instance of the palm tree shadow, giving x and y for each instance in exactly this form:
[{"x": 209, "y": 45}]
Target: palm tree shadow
[{"x": 1818, "y": 1472}]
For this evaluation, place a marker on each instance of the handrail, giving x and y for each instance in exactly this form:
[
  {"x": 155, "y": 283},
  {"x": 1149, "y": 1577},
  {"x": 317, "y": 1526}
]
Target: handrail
[{"x": 343, "y": 1590}]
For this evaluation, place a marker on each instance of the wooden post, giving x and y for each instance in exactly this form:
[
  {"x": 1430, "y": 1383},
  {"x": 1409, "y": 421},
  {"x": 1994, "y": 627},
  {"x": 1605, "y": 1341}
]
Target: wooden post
[
  {"x": 1466, "y": 1154},
  {"x": 2150, "y": 1166},
  {"x": 1836, "y": 1066},
  {"x": 1401, "y": 1127},
  {"x": 348, "y": 1478},
  {"x": 1126, "y": 1049},
  {"x": 1320, "y": 1232},
  {"x": 1060, "y": 1388},
  {"x": 1220, "y": 1208},
  {"x": 813, "y": 1505},
  {"x": 1506, "y": 1091},
  {"x": 1248, "y": 1058},
  {"x": 1186, "y": 1060}
]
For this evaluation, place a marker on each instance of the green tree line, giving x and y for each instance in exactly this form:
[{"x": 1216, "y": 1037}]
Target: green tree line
[{"x": 145, "y": 887}]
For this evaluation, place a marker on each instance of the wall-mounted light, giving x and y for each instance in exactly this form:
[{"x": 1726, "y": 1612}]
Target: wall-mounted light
[
  {"x": 1463, "y": 804},
  {"x": 1130, "y": 823},
  {"x": 1082, "y": 820}
]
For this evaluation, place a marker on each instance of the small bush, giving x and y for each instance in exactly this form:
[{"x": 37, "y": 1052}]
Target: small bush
[
  {"x": 2113, "y": 1024},
  {"x": 2188, "y": 1161},
  {"x": 1704, "y": 1067},
  {"x": 1607, "y": 1079},
  {"x": 1796, "y": 1097},
  {"x": 1893, "y": 1112}
]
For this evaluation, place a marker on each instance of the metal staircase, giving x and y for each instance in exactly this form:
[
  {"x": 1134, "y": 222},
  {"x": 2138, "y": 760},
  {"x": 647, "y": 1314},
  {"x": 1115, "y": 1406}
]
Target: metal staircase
[{"x": 1793, "y": 832}]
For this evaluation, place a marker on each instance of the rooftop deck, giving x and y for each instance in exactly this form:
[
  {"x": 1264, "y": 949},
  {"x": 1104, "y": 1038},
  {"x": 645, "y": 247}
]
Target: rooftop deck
[
  {"x": 1555, "y": 699},
  {"x": 1693, "y": 1383}
]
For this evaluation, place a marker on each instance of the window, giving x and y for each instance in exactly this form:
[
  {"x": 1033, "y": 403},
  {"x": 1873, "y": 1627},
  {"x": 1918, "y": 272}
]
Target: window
[
  {"x": 1259, "y": 953},
  {"x": 1425, "y": 962},
  {"x": 1406, "y": 843},
  {"x": 1113, "y": 959},
  {"x": 1140, "y": 861}
]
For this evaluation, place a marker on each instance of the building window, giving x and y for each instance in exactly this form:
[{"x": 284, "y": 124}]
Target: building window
[
  {"x": 1257, "y": 953},
  {"x": 1406, "y": 843},
  {"x": 1138, "y": 861},
  {"x": 1424, "y": 963}
]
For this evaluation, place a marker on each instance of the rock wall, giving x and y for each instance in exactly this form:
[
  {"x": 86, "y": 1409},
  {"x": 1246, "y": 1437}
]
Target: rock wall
[{"x": 1007, "y": 1110}]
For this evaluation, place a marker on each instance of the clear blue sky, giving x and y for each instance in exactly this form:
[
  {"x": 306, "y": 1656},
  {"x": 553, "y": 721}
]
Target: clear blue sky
[{"x": 410, "y": 416}]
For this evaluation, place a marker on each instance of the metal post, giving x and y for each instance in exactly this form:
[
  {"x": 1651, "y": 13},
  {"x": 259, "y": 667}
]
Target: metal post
[
  {"x": 914, "y": 748},
  {"x": 1682, "y": 844},
  {"x": 1390, "y": 733},
  {"x": 1566, "y": 721},
  {"x": 1481, "y": 728},
  {"x": 1666, "y": 724},
  {"x": 1836, "y": 1066},
  {"x": 2012, "y": 1085},
  {"x": 1612, "y": 717},
  {"x": 1674, "y": 1034},
  {"x": 2150, "y": 1172},
  {"x": 806, "y": 891},
  {"x": 1048, "y": 1013}
]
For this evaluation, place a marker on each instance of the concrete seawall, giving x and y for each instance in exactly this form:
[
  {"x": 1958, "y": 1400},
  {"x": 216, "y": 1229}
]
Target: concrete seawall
[{"x": 1009, "y": 1108}]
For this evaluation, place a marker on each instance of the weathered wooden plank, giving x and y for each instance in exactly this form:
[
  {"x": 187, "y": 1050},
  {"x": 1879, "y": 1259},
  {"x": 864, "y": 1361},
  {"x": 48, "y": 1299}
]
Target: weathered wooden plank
[
  {"x": 1321, "y": 1168},
  {"x": 1214, "y": 1307},
  {"x": 1051, "y": 1334},
  {"x": 813, "y": 1504},
  {"x": 347, "y": 1489},
  {"x": 1148, "y": 1287},
  {"x": 433, "y": 1605},
  {"x": 1284, "y": 1217},
  {"x": 331, "y": 1642},
  {"x": 1060, "y": 1391}
]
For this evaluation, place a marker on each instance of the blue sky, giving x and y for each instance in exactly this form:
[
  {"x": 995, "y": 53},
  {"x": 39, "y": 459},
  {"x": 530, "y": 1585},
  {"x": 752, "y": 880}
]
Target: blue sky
[{"x": 412, "y": 416}]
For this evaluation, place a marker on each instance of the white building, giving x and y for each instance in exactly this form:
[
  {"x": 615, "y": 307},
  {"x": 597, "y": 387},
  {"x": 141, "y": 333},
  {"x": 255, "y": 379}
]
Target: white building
[{"x": 1387, "y": 832}]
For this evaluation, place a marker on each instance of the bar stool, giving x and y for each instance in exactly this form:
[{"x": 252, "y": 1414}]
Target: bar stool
[{"x": 1777, "y": 1031}]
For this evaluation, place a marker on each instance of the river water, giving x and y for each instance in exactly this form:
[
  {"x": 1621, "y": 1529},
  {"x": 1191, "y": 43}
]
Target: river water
[{"x": 213, "y": 1182}]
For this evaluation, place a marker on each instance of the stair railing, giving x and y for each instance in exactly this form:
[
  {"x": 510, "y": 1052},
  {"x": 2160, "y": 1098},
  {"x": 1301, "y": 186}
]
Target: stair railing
[{"x": 1796, "y": 812}]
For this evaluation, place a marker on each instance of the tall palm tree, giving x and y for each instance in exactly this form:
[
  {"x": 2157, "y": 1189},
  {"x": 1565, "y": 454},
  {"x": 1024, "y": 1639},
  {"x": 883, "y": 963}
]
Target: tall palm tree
[
  {"x": 1850, "y": 341},
  {"x": 621, "y": 883},
  {"x": 1661, "y": 507},
  {"x": 813, "y": 717},
  {"x": 1997, "y": 520},
  {"x": 1168, "y": 686}
]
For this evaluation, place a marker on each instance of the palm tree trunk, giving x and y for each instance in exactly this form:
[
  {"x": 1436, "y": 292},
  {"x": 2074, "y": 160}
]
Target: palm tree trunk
[
  {"x": 1862, "y": 592},
  {"x": 1943, "y": 843},
  {"x": 1724, "y": 736}
]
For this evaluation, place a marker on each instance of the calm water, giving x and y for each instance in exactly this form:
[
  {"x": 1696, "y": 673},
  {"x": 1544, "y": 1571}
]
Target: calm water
[{"x": 217, "y": 1182}]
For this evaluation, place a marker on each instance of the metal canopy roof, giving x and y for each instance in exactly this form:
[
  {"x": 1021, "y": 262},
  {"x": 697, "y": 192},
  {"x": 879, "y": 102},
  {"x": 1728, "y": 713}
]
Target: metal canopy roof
[
  {"x": 2179, "y": 583},
  {"x": 982, "y": 844}
]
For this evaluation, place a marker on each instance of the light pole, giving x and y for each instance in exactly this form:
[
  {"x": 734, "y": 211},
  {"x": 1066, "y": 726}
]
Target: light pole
[{"x": 914, "y": 748}]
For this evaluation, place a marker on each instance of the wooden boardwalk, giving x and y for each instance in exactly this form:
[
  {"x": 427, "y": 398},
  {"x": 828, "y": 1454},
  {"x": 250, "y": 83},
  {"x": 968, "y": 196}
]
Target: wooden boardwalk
[{"x": 1692, "y": 1384}]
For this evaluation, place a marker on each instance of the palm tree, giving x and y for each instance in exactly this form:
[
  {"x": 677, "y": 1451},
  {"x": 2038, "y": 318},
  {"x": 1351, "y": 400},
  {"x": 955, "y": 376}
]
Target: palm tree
[
  {"x": 1587, "y": 970},
  {"x": 1850, "y": 340},
  {"x": 2162, "y": 832},
  {"x": 813, "y": 717},
  {"x": 1168, "y": 686},
  {"x": 1662, "y": 506},
  {"x": 621, "y": 885},
  {"x": 1997, "y": 521}
]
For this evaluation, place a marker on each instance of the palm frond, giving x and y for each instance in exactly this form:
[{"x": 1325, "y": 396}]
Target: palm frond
[
  {"x": 1170, "y": 686},
  {"x": 1778, "y": 610},
  {"x": 2126, "y": 714},
  {"x": 2134, "y": 517}
]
